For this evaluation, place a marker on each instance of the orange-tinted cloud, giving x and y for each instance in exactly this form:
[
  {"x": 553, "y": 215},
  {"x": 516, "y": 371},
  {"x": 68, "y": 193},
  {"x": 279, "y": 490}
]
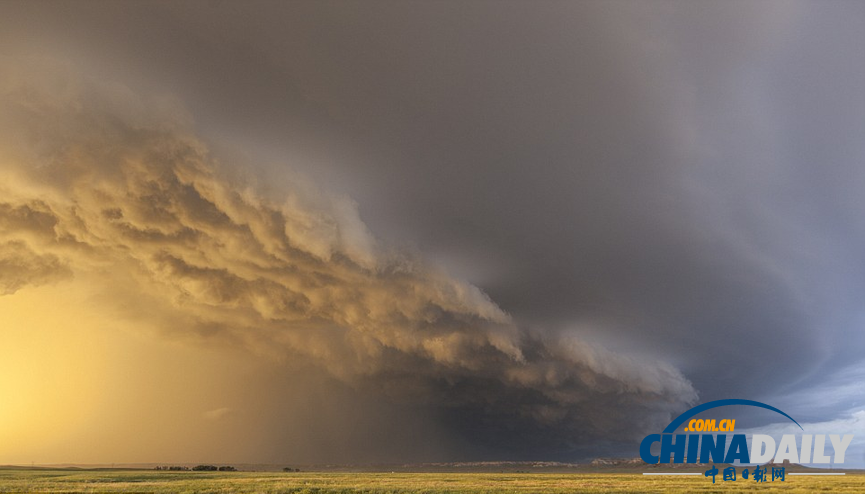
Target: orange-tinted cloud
[{"x": 98, "y": 181}]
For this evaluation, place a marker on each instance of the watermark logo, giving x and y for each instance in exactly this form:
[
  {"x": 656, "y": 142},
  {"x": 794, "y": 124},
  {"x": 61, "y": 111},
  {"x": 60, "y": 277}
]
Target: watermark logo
[{"x": 715, "y": 448}]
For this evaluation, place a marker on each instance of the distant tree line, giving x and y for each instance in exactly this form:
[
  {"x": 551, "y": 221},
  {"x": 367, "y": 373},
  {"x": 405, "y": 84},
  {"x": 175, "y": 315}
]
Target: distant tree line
[{"x": 198, "y": 468}]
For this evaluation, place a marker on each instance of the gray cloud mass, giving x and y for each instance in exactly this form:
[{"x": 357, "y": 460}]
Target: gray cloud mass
[
  {"x": 648, "y": 201},
  {"x": 123, "y": 192}
]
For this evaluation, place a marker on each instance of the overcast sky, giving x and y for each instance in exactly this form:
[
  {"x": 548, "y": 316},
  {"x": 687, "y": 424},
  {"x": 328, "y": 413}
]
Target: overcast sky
[{"x": 482, "y": 230}]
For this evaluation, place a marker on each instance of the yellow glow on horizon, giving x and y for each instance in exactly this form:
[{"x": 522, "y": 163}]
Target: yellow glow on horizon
[
  {"x": 50, "y": 363},
  {"x": 78, "y": 384}
]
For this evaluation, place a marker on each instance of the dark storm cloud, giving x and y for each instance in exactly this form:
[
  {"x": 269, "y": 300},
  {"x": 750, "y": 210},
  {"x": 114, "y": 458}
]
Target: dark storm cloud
[
  {"x": 679, "y": 180},
  {"x": 101, "y": 182}
]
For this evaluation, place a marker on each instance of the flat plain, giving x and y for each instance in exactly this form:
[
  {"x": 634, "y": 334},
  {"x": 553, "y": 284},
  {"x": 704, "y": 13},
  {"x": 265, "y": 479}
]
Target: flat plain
[{"x": 144, "y": 481}]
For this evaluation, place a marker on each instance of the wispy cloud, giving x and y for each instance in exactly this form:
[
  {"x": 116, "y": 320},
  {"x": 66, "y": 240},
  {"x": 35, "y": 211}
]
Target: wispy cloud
[{"x": 218, "y": 414}]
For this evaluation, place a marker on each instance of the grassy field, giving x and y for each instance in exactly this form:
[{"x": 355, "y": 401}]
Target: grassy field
[{"x": 132, "y": 481}]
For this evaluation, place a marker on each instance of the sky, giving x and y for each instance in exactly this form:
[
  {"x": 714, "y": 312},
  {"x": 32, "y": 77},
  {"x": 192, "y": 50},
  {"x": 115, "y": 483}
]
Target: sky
[{"x": 365, "y": 232}]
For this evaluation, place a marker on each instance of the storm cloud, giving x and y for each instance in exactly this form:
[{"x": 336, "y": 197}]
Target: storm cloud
[
  {"x": 540, "y": 221},
  {"x": 108, "y": 187}
]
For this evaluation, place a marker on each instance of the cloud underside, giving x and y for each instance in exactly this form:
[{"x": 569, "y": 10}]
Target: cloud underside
[{"x": 101, "y": 184}]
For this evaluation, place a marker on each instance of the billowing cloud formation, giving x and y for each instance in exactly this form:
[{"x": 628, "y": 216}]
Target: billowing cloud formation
[
  {"x": 98, "y": 181},
  {"x": 21, "y": 266}
]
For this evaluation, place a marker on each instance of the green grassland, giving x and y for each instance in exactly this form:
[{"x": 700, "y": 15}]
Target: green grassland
[{"x": 135, "y": 481}]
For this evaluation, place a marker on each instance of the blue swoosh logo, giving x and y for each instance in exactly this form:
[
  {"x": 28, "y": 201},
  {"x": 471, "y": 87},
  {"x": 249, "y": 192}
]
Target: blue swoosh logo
[{"x": 720, "y": 403}]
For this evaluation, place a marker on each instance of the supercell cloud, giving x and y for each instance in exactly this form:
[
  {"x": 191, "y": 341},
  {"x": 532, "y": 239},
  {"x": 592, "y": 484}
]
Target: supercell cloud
[
  {"x": 95, "y": 183},
  {"x": 537, "y": 230}
]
